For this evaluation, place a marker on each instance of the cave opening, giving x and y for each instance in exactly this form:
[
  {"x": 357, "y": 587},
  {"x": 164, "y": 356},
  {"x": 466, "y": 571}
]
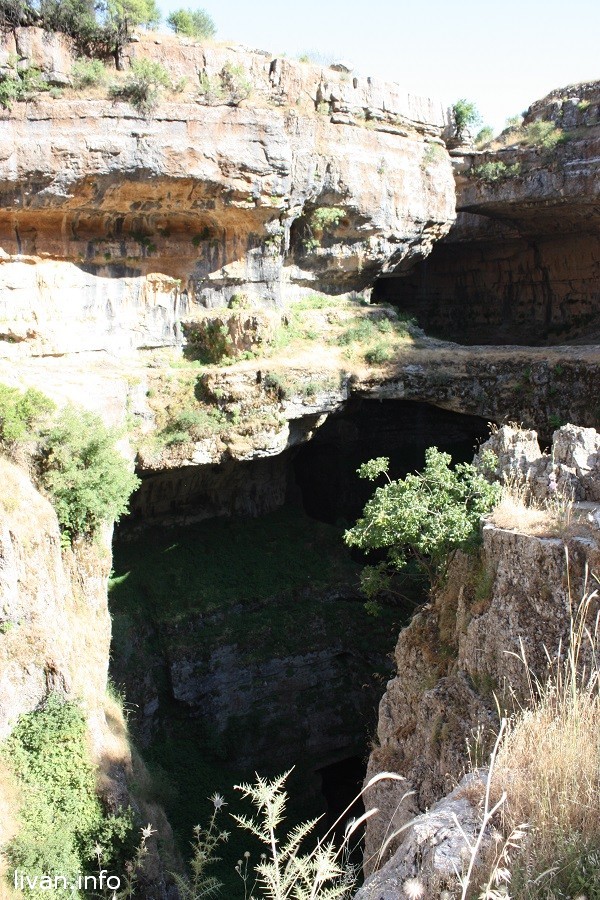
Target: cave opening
[
  {"x": 324, "y": 469},
  {"x": 341, "y": 784}
]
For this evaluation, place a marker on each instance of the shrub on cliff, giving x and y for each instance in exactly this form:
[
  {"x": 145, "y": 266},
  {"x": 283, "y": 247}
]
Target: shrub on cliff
[
  {"x": 142, "y": 87},
  {"x": 61, "y": 818},
  {"x": 426, "y": 517},
  {"x": 88, "y": 73},
  {"x": 87, "y": 478},
  {"x": 464, "y": 115},
  {"x": 21, "y": 413},
  {"x": 193, "y": 23}
]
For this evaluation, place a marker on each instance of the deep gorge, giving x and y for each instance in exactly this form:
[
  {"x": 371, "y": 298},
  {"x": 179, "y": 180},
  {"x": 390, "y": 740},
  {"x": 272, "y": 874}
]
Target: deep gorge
[{"x": 255, "y": 296}]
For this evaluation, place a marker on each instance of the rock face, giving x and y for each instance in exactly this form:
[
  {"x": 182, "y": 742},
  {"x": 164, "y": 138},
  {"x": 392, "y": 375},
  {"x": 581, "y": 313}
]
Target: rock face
[
  {"x": 115, "y": 227},
  {"x": 464, "y": 646},
  {"x": 54, "y": 621},
  {"x": 521, "y": 264},
  {"x": 571, "y": 469},
  {"x": 432, "y": 851}
]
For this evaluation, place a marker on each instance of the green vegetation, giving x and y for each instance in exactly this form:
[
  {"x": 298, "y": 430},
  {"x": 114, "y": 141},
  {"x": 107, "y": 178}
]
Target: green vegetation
[
  {"x": 493, "y": 171},
  {"x": 377, "y": 340},
  {"x": 193, "y": 23},
  {"x": 433, "y": 153},
  {"x": 544, "y": 134},
  {"x": 427, "y": 516},
  {"x": 87, "y": 478},
  {"x": 322, "y": 219},
  {"x": 21, "y": 85},
  {"x": 22, "y": 414},
  {"x": 514, "y": 121},
  {"x": 61, "y": 818},
  {"x": 97, "y": 28},
  {"x": 484, "y": 136},
  {"x": 142, "y": 88},
  {"x": 88, "y": 73},
  {"x": 230, "y": 86},
  {"x": 208, "y": 340},
  {"x": 74, "y": 456},
  {"x": 464, "y": 115},
  {"x": 191, "y": 424}
]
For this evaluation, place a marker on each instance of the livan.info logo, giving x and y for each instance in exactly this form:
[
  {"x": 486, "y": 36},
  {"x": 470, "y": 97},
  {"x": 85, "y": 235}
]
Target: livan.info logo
[{"x": 98, "y": 882}]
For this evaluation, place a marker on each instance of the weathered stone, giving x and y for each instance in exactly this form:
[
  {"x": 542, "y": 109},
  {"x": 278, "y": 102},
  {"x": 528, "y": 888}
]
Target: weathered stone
[{"x": 433, "y": 850}]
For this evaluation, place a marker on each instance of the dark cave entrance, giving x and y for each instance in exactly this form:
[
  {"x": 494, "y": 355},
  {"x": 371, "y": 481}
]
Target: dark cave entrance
[
  {"x": 325, "y": 468},
  {"x": 341, "y": 783}
]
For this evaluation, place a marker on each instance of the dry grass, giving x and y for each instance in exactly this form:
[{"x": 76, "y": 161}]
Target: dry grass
[
  {"x": 549, "y": 765},
  {"x": 518, "y": 510}
]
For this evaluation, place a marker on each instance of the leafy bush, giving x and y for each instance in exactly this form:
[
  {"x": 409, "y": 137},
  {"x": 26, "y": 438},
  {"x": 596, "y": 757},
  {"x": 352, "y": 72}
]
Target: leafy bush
[
  {"x": 191, "y": 424},
  {"x": 77, "y": 18},
  {"x": 484, "y": 136},
  {"x": 231, "y": 86},
  {"x": 208, "y": 340},
  {"x": 21, "y": 413},
  {"x": 193, "y": 23},
  {"x": 427, "y": 516},
  {"x": 135, "y": 12},
  {"x": 326, "y": 217},
  {"x": 495, "y": 171},
  {"x": 88, "y": 73},
  {"x": 87, "y": 478},
  {"x": 544, "y": 134},
  {"x": 380, "y": 353},
  {"x": 61, "y": 818},
  {"x": 142, "y": 87},
  {"x": 464, "y": 115},
  {"x": 21, "y": 86}
]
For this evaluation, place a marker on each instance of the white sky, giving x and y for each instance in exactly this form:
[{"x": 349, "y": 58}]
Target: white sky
[{"x": 502, "y": 55}]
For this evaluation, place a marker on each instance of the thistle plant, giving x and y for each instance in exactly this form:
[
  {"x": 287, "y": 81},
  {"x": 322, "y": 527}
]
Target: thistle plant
[
  {"x": 285, "y": 872},
  {"x": 205, "y": 845}
]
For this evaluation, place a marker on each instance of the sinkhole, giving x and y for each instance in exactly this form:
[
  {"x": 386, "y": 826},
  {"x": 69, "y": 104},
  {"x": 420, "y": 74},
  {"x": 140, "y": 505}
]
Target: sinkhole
[{"x": 238, "y": 627}]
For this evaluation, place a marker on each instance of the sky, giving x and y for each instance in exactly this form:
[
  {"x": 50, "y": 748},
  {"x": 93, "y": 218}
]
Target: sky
[{"x": 501, "y": 55}]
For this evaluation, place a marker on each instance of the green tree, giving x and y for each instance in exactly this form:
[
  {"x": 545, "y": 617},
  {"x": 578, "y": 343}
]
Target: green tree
[
  {"x": 464, "y": 115},
  {"x": 193, "y": 23},
  {"x": 87, "y": 477},
  {"x": 21, "y": 413},
  {"x": 426, "y": 516},
  {"x": 134, "y": 12}
]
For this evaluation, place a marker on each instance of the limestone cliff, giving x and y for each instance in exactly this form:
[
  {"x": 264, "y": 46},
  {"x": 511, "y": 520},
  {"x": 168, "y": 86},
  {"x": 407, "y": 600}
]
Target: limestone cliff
[
  {"x": 115, "y": 226},
  {"x": 55, "y": 627},
  {"x": 520, "y": 265}
]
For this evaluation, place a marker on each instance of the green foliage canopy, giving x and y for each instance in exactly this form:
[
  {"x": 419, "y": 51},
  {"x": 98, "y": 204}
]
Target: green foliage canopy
[
  {"x": 61, "y": 818},
  {"x": 86, "y": 476},
  {"x": 426, "y": 516},
  {"x": 464, "y": 114},
  {"x": 194, "y": 23}
]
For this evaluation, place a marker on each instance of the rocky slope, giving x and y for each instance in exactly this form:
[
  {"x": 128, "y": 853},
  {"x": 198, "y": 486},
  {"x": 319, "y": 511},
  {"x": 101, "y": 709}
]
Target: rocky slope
[{"x": 464, "y": 648}]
